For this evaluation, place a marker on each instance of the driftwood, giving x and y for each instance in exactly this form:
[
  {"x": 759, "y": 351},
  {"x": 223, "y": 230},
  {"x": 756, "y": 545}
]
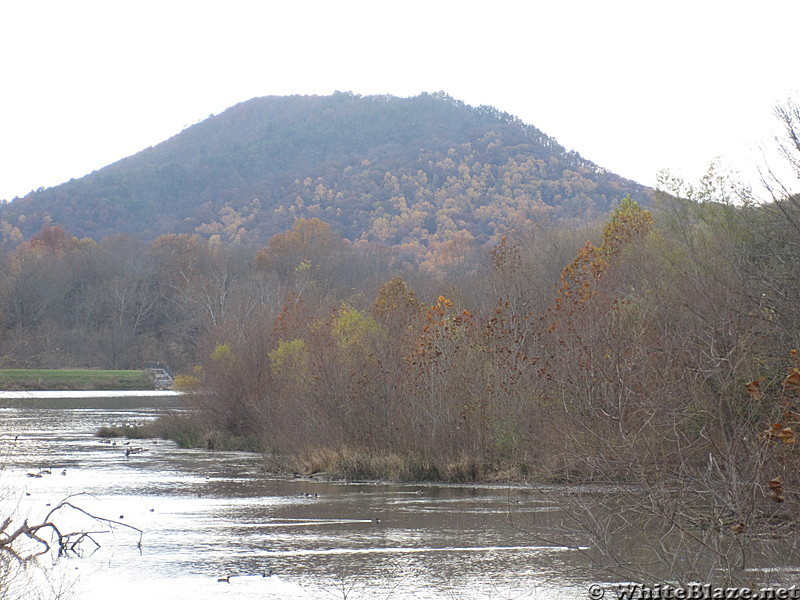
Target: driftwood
[{"x": 66, "y": 542}]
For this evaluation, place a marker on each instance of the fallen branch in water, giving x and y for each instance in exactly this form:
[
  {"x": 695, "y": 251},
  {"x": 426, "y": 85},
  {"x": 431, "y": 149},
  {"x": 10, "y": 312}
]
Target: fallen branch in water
[{"x": 66, "y": 542}]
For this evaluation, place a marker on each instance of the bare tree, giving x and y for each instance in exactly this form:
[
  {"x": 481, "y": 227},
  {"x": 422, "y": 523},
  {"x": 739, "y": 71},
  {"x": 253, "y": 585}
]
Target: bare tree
[{"x": 22, "y": 543}]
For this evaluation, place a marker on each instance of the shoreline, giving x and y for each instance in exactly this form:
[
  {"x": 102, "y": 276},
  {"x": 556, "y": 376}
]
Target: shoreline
[
  {"x": 78, "y": 394},
  {"x": 85, "y": 399}
]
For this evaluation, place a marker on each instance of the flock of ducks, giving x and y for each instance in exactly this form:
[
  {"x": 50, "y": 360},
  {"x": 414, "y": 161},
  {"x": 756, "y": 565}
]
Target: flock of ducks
[
  {"x": 42, "y": 472},
  {"x": 128, "y": 452}
]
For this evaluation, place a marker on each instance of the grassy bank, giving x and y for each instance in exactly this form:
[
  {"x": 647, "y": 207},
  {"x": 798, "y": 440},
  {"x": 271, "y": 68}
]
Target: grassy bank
[
  {"x": 343, "y": 464},
  {"x": 350, "y": 464},
  {"x": 73, "y": 379},
  {"x": 184, "y": 432}
]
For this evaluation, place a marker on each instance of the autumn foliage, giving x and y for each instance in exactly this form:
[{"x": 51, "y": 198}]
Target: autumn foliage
[
  {"x": 455, "y": 326},
  {"x": 536, "y": 355}
]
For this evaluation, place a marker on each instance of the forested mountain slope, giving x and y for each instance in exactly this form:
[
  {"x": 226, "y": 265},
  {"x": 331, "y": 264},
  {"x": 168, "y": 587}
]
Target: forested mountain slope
[{"x": 402, "y": 171}]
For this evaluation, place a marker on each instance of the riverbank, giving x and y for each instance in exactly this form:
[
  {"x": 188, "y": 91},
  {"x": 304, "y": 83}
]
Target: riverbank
[
  {"x": 207, "y": 515},
  {"x": 181, "y": 429},
  {"x": 354, "y": 464},
  {"x": 73, "y": 380},
  {"x": 340, "y": 464},
  {"x": 83, "y": 399}
]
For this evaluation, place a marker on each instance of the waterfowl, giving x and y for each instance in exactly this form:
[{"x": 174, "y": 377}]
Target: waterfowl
[{"x": 226, "y": 579}]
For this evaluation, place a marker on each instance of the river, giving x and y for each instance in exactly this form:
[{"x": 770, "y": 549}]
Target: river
[{"x": 208, "y": 515}]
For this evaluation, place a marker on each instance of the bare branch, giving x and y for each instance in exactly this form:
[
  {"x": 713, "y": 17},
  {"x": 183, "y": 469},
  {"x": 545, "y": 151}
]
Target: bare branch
[{"x": 67, "y": 542}]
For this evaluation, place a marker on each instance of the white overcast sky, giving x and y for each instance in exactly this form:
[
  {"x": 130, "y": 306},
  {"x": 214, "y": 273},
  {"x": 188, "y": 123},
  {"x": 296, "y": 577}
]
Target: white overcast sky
[{"x": 634, "y": 86}]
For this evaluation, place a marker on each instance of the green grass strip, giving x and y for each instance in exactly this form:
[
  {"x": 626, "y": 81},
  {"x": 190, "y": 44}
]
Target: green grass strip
[{"x": 73, "y": 379}]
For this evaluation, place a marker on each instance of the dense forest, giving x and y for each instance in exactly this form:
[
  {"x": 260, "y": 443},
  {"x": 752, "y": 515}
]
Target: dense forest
[{"x": 407, "y": 172}]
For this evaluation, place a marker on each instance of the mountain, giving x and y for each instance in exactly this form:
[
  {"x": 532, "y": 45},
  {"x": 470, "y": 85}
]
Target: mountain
[{"x": 395, "y": 170}]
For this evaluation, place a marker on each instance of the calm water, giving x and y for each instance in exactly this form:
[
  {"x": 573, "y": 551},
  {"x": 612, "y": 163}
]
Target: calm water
[{"x": 206, "y": 515}]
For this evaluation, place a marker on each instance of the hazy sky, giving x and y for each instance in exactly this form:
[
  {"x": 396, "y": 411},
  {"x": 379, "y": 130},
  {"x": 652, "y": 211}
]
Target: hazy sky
[{"x": 633, "y": 86}]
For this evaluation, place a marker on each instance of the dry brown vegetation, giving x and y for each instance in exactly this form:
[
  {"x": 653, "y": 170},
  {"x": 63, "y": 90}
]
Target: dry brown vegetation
[
  {"x": 658, "y": 361},
  {"x": 658, "y": 358}
]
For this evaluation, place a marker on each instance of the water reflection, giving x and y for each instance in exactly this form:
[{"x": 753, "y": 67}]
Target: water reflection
[{"x": 209, "y": 515}]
